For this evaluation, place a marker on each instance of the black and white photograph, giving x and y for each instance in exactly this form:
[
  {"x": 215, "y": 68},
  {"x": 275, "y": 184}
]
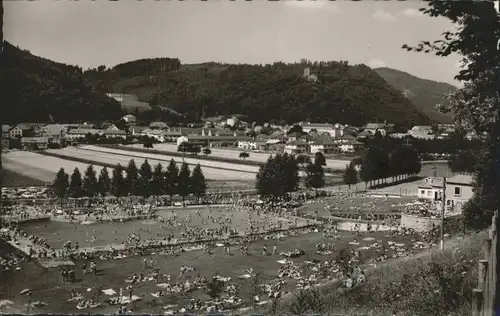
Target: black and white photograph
[{"x": 257, "y": 157}]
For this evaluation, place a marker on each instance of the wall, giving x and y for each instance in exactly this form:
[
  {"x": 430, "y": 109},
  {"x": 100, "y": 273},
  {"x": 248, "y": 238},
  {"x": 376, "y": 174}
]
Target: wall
[
  {"x": 457, "y": 201},
  {"x": 419, "y": 223}
]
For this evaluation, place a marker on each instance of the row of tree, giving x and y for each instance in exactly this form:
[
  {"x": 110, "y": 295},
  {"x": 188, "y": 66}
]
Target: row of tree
[
  {"x": 280, "y": 174},
  {"x": 379, "y": 164},
  {"x": 130, "y": 180}
]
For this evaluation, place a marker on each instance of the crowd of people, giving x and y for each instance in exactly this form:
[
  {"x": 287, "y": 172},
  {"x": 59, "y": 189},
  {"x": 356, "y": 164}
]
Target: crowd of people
[{"x": 208, "y": 229}]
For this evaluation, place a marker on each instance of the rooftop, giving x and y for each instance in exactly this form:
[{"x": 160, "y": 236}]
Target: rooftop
[{"x": 461, "y": 179}]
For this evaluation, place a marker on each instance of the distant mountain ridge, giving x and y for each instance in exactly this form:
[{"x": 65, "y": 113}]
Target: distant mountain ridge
[
  {"x": 278, "y": 92},
  {"x": 424, "y": 93},
  {"x": 40, "y": 90}
]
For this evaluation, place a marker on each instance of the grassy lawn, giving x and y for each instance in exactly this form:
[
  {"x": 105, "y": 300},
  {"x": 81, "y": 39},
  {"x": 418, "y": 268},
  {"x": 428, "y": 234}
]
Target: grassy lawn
[
  {"x": 14, "y": 179},
  {"x": 48, "y": 287}
]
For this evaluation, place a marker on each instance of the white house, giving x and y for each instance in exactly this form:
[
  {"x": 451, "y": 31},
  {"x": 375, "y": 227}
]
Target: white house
[
  {"x": 252, "y": 144},
  {"x": 81, "y": 133},
  {"x": 157, "y": 134},
  {"x": 232, "y": 121},
  {"x": 324, "y": 145},
  {"x": 458, "y": 191},
  {"x": 431, "y": 190},
  {"x": 112, "y": 133},
  {"x": 421, "y": 132},
  {"x": 350, "y": 146},
  {"x": 322, "y": 128},
  {"x": 158, "y": 125},
  {"x": 297, "y": 147},
  {"x": 137, "y": 130},
  {"x": 129, "y": 118}
]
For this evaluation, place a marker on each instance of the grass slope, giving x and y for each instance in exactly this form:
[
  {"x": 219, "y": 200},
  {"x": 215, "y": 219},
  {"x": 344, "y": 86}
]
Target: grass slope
[
  {"x": 429, "y": 283},
  {"x": 425, "y": 94}
]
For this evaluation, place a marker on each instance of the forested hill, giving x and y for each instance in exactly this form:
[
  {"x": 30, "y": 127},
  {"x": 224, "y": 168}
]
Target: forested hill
[
  {"x": 342, "y": 93},
  {"x": 39, "y": 90},
  {"x": 425, "y": 94}
]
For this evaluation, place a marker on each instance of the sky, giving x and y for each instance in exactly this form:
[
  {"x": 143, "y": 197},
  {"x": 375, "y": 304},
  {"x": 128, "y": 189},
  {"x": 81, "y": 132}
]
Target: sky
[{"x": 90, "y": 34}]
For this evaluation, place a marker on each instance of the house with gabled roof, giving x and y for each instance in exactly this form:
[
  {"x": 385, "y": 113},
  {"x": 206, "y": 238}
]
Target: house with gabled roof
[
  {"x": 299, "y": 146},
  {"x": 324, "y": 144}
]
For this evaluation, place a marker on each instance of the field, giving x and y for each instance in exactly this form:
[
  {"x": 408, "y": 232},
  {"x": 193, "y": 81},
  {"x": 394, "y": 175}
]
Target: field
[
  {"x": 234, "y": 154},
  {"x": 40, "y": 167},
  {"x": 12, "y": 178},
  {"x": 44, "y": 168}
]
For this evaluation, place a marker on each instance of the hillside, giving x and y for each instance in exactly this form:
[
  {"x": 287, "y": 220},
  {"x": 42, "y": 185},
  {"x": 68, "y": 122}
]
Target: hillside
[
  {"x": 345, "y": 94},
  {"x": 40, "y": 90},
  {"x": 425, "y": 94}
]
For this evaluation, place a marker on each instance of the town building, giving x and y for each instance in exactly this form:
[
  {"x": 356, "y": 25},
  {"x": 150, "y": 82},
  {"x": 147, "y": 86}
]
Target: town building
[
  {"x": 114, "y": 133},
  {"x": 136, "y": 131},
  {"x": 5, "y": 143},
  {"x": 293, "y": 136},
  {"x": 431, "y": 190},
  {"x": 332, "y": 130},
  {"x": 54, "y": 130},
  {"x": 299, "y": 146},
  {"x": 253, "y": 144},
  {"x": 129, "y": 118},
  {"x": 383, "y": 128},
  {"x": 458, "y": 191},
  {"x": 213, "y": 141},
  {"x": 5, "y": 131},
  {"x": 233, "y": 121},
  {"x": 158, "y": 125},
  {"x": 21, "y": 130},
  {"x": 350, "y": 146},
  {"x": 78, "y": 133},
  {"x": 422, "y": 132},
  {"x": 325, "y": 145},
  {"x": 34, "y": 143}
]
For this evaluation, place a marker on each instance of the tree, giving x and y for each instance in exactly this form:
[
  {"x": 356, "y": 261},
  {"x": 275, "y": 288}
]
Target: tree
[
  {"x": 195, "y": 150},
  {"x": 350, "y": 175},
  {"x": 184, "y": 147},
  {"x": 148, "y": 143},
  {"x": 75, "y": 185},
  {"x": 198, "y": 182},
  {"x": 303, "y": 160},
  {"x": 315, "y": 177},
  {"x": 207, "y": 151},
  {"x": 184, "y": 181},
  {"x": 60, "y": 185},
  {"x": 295, "y": 129},
  {"x": 278, "y": 176},
  {"x": 145, "y": 179},
  {"x": 158, "y": 181},
  {"x": 132, "y": 178},
  {"x": 90, "y": 187},
  {"x": 475, "y": 105},
  {"x": 319, "y": 159},
  {"x": 244, "y": 155},
  {"x": 463, "y": 161},
  {"x": 104, "y": 183},
  {"x": 118, "y": 185},
  {"x": 172, "y": 179}
]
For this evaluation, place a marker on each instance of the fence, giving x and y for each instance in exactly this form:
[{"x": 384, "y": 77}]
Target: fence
[{"x": 483, "y": 303}]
